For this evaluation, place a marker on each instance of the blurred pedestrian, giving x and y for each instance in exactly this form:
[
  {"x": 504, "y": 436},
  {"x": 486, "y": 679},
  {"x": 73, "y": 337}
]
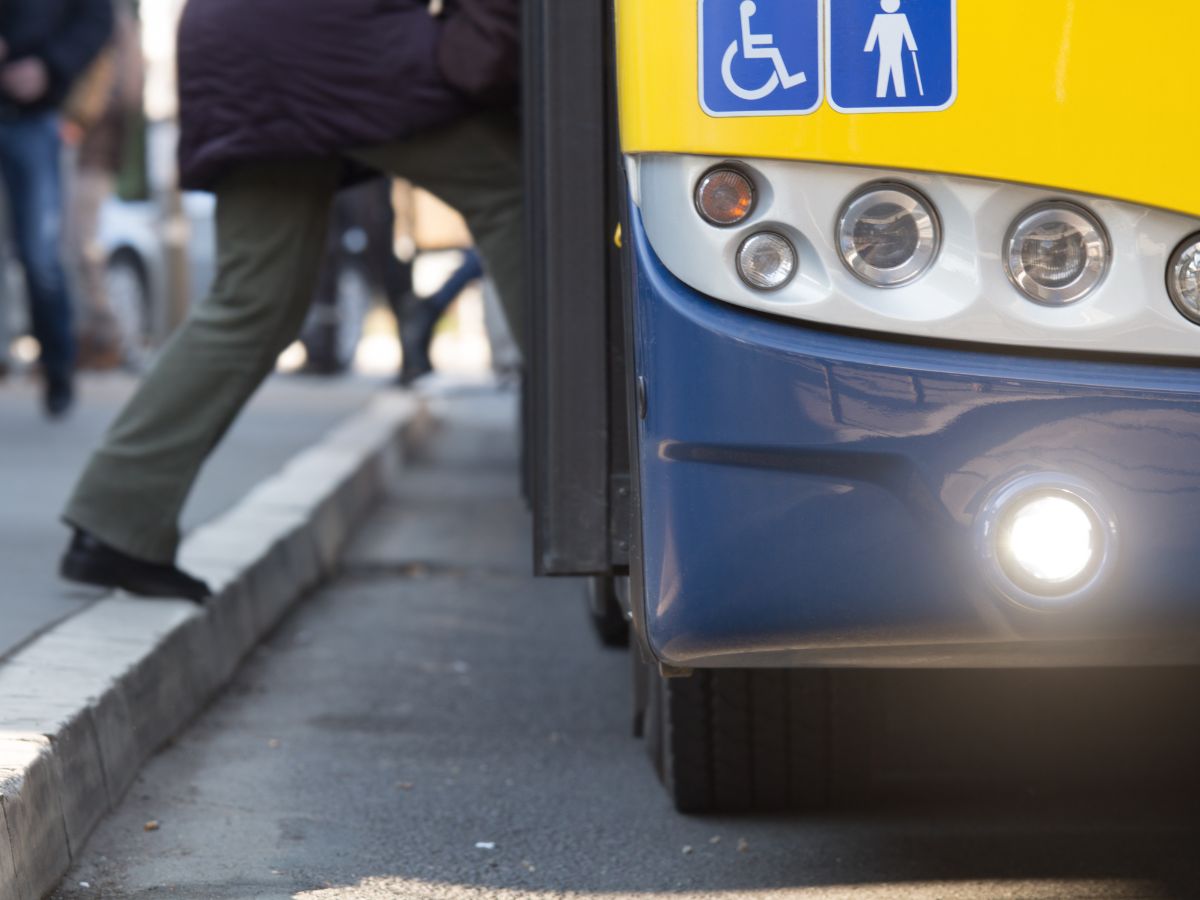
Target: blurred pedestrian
[
  {"x": 361, "y": 230},
  {"x": 44, "y": 46},
  {"x": 96, "y": 123},
  {"x": 280, "y": 102},
  {"x": 419, "y": 317},
  {"x": 361, "y": 235}
]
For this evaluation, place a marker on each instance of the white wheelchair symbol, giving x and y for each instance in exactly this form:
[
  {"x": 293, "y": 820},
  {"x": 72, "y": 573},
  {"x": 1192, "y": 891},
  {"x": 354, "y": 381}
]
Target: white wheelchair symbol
[{"x": 757, "y": 46}]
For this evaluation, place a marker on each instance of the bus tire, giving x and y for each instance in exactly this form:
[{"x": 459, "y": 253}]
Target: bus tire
[
  {"x": 604, "y": 610},
  {"x": 741, "y": 740}
]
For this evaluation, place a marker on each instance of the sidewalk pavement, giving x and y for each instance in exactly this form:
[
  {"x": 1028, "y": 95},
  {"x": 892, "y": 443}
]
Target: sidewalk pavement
[
  {"x": 84, "y": 701},
  {"x": 40, "y": 460}
]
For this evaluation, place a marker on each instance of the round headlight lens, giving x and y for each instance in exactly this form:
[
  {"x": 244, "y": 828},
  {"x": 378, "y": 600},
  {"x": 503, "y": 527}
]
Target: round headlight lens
[
  {"x": 888, "y": 235},
  {"x": 1183, "y": 278},
  {"x": 1057, "y": 253},
  {"x": 766, "y": 261},
  {"x": 724, "y": 197}
]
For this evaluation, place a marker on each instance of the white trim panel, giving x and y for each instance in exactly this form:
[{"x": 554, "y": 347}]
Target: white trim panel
[{"x": 965, "y": 295}]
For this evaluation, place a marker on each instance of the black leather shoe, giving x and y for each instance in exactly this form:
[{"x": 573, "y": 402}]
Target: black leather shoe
[{"x": 88, "y": 561}]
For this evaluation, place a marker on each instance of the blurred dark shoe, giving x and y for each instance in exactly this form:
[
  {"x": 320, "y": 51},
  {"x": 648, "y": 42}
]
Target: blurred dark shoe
[
  {"x": 60, "y": 396},
  {"x": 416, "y": 335},
  {"x": 88, "y": 561}
]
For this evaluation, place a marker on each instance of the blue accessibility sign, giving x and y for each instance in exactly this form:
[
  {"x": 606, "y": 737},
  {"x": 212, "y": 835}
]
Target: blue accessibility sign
[
  {"x": 760, "y": 57},
  {"x": 891, "y": 55}
]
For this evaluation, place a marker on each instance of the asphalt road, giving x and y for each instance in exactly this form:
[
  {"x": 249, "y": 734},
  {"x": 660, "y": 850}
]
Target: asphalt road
[{"x": 438, "y": 724}]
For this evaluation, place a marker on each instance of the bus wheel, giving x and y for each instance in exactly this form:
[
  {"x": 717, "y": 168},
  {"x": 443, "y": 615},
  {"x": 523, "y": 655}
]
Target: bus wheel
[
  {"x": 604, "y": 609},
  {"x": 740, "y": 740}
]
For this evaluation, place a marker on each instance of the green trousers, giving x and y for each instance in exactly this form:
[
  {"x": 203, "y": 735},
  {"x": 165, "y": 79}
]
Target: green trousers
[{"x": 271, "y": 224}]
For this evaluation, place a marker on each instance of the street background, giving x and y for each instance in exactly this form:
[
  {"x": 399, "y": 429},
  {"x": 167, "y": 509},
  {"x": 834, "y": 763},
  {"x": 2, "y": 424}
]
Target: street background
[{"x": 435, "y": 722}]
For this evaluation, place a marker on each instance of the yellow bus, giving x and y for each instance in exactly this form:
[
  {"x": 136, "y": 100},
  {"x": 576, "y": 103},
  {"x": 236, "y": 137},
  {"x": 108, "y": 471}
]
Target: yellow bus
[{"x": 866, "y": 337}]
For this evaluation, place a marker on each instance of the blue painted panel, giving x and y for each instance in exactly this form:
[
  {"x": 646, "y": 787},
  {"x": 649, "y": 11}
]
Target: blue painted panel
[{"x": 807, "y": 488}]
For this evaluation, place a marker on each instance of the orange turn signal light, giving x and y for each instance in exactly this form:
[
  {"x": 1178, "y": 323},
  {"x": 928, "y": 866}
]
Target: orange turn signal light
[{"x": 724, "y": 196}]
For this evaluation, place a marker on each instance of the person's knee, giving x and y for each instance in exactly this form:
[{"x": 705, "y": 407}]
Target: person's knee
[{"x": 44, "y": 269}]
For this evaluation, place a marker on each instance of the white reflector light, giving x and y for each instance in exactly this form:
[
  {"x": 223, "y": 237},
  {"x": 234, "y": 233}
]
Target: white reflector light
[{"x": 766, "y": 261}]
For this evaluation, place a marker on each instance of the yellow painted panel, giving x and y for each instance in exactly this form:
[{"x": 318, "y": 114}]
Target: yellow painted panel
[{"x": 1094, "y": 96}]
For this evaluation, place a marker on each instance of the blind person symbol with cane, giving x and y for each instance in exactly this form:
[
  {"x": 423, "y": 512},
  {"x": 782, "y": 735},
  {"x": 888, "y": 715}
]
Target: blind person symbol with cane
[{"x": 891, "y": 55}]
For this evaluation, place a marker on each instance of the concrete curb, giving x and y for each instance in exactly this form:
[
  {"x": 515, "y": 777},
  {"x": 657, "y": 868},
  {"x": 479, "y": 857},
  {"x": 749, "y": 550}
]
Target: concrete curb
[{"x": 87, "y": 703}]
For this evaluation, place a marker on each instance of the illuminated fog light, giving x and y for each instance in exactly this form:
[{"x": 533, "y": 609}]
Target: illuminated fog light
[
  {"x": 1183, "y": 278},
  {"x": 724, "y": 196},
  {"x": 888, "y": 235},
  {"x": 766, "y": 261},
  {"x": 1047, "y": 540},
  {"x": 1056, "y": 253},
  {"x": 1050, "y": 539}
]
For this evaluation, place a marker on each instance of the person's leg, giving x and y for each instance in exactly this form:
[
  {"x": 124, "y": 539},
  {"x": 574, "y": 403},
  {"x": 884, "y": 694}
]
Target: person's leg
[
  {"x": 319, "y": 332},
  {"x": 271, "y": 222},
  {"x": 475, "y": 166},
  {"x": 470, "y": 269},
  {"x": 394, "y": 274},
  {"x": 418, "y": 318},
  {"x": 30, "y": 161}
]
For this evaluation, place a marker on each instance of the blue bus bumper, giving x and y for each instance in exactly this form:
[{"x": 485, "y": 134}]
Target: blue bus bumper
[{"x": 811, "y": 497}]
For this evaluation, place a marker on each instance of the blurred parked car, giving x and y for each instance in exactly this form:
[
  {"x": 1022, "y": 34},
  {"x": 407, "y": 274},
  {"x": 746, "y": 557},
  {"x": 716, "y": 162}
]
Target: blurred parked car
[{"x": 135, "y": 235}]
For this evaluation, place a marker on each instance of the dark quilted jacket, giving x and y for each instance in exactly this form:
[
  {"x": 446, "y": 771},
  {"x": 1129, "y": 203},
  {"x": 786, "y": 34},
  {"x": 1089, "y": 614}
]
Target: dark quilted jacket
[
  {"x": 297, "y": 79},
  {"x": 65, "y": 34}
]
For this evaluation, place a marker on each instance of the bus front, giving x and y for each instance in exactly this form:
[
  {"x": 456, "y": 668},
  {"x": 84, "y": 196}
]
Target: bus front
[{"x": 916, "y": 310}]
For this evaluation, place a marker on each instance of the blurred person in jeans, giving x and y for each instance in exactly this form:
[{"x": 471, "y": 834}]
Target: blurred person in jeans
[
  {"x": 419, "y": 317},
  {"x": 44, "y": 46},
  {"x": 281, "y": 102},
  {"x": 96, "y": 124}
]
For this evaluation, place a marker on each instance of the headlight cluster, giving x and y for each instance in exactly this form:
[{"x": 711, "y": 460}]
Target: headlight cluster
[{"x": 889, "y": 235}]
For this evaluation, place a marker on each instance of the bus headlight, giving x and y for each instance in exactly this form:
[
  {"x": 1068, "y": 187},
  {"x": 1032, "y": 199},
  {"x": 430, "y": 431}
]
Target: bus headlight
[
  {"x": 724, "y": 196},
  {"x": 1056, "y": 253},
  {"x": 888, "y": 235},
  {"x": 766, "y": 261},
  {"x": 1183, "y": 278}
]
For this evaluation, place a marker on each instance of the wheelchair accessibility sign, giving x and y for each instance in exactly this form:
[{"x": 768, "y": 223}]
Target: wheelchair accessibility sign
[
  {"x": 780, "y": 57},
  {"x": 760, "y": 57}
]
